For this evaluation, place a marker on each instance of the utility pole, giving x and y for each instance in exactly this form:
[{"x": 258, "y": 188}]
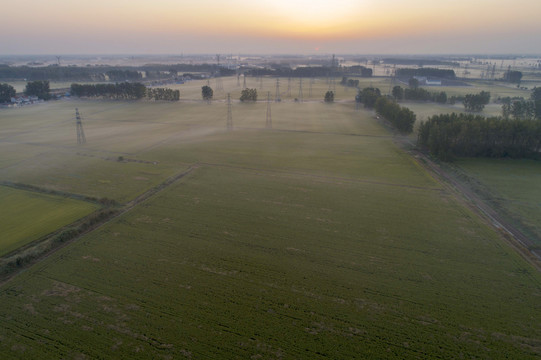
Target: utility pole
[{"x": 81, "y": 139}]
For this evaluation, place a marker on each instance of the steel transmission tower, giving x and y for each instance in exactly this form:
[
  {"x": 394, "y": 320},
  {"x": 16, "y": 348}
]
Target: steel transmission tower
[
  {"x": 219, "y": 84},
  {"x": 229, "y": 114},
  {"x": 310, "y": 87},
  {"x": 277, "y": 97},
  {"x": 300, "y": 89},
  {"x": 81, "y": 139},
  {"x": 289, "y": 87},
  {"x": 268, "y": 122},
  {"x": 244, "y": 81}
]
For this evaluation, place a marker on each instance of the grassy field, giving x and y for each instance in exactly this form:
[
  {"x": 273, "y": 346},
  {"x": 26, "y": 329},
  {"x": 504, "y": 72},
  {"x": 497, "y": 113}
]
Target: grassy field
[
  {"x": 318, "y": 238},
  {"x": 515, "y": 185},
  {"x": 26, "y": 216}
]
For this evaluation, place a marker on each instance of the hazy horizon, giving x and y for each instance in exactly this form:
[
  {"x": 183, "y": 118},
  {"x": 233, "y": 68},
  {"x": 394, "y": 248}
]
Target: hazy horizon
[{"x": 272, "y": 27}]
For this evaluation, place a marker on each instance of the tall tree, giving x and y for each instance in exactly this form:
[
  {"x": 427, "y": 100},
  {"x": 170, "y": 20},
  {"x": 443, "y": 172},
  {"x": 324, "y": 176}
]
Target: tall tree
[
  {"x": 207, "y": 93},
  {"x": 476, "y": 102},
  {"x": 329, "y": 97},
  {"x": 413, "y": 83},
  {"x": 398, "y": 93},
  {"x": 369, "y": 96},
  {"x": 6, "y": 92},
  {"x": 248, "y": 95},
  {"x": 39, "y": 88},
  {"x": 536, "y": 98}
]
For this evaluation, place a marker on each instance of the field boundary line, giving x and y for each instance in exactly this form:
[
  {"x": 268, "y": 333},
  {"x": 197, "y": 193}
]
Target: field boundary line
[
  {"x": 40, "y": 190},
  {"x": 37, "y": 258},
  {"x": 509, "y": 233}
]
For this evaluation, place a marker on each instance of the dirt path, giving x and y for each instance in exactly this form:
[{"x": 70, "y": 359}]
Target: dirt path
[
  {"x": 513, "y": 236},
  {"x": 124, "y": 209}
]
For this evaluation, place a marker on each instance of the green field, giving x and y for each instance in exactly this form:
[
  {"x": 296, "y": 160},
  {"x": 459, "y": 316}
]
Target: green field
[
  {"x": 515, "y": 186},
  {"x": 26, "y": 216},
  {"x": 318, "y": 238}
]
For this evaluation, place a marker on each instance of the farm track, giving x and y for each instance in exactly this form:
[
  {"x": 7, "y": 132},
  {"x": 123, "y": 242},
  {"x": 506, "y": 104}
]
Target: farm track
[
  {"x": 512, "y": 235},
  {"x": 127, "y": 207}
]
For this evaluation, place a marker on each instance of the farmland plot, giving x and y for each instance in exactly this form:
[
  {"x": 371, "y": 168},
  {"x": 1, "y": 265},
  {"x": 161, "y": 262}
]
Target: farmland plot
[
  {"x": 316, "y": 239},
  {"x": 26, "y": 216}
]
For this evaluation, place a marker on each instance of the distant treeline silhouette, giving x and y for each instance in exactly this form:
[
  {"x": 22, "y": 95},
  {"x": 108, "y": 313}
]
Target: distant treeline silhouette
[
  {"x": 439, "y": 73},
  {"x": 124, "y": 91},
  {"x": 104, "y": 72},
  {"x": 311, "y": 71}
]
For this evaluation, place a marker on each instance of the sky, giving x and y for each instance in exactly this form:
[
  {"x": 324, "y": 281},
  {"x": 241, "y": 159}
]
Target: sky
[{"x": 59, "y": 27}]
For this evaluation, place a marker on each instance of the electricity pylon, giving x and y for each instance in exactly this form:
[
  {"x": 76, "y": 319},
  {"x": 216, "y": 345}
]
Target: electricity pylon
[
  {"x": 268, "y": 122},
  {"x": 81, "y": 139},
  {"x": 229, "y": 124}
]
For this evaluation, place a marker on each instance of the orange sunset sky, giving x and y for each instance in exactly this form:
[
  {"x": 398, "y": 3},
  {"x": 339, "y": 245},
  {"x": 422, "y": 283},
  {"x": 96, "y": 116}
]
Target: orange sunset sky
[{"x": 279, "y": 26}]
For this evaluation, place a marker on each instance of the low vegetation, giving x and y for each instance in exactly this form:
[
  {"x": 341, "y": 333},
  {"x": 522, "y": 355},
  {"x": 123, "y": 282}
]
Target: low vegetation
[{"x": 318, "y": 239}]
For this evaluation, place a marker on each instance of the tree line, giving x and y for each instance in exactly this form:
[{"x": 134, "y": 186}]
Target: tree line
[
  {"x": 440, "y": 73},
  {"x": 311, "y": 71},
  {"x": 400, "y": 117},
  {"x": 124, "y": 91},
  {"x": 520, "y": 108},
  {"x": 33, "y": 88},
  {"x": 104, "y": 72},
  {"x": 448, "y": 136},
  {"x": 350, "y": 82},
  {"x": 472, "y": 102}
]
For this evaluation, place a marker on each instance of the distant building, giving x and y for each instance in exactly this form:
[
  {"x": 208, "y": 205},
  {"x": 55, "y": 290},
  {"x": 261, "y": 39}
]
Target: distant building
[
  {"x": 433, "y": 82},
  {"x": 423, "y": 80}
]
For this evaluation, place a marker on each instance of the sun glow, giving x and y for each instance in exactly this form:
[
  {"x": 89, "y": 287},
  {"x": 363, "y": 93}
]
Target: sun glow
[{"x": 313, "y": 12}]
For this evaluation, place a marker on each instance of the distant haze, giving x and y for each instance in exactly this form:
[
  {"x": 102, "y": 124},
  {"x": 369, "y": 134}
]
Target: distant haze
[{"x": 279, "y": 26}]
